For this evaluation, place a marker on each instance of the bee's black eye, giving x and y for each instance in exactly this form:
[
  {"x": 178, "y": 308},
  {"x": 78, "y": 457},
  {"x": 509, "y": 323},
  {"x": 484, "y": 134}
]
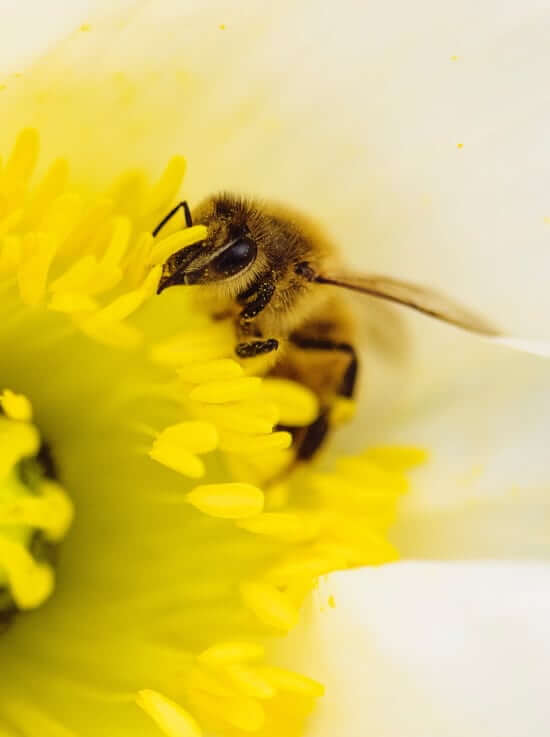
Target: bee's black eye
[{"x": 236, "y": 257}]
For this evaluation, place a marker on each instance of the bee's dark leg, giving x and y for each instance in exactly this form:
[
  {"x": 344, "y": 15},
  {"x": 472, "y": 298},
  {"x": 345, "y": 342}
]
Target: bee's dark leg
[
  {"x": 259, "y": 294},
  {"x": 256, "y": 348},
  {"x": 255, "y": 298},
  {"x": 308, "y": 440},
  {"x": 312, "y": 437},
  {"x": 173, "y": 211}
]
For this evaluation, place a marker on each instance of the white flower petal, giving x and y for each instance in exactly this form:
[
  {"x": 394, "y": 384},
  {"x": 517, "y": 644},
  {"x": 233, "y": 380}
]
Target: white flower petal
[
  {"x": 431, "y": 650},
  {"x": 484, "y": 491},
  {"x": 29, "y": 28}
]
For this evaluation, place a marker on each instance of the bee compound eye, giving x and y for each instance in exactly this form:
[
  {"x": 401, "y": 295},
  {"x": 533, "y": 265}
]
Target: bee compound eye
[{"x": 236, "y": 257}]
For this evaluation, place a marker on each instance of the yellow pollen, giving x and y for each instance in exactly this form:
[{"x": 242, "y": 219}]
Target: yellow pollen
[{"x": 228, "y": 501}]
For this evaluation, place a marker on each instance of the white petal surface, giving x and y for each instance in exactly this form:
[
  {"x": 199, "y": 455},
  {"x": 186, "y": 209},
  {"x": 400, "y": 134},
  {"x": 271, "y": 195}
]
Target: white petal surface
[
  {"x": 30, "y": 28},
  {"x": 432, "y": 650}
]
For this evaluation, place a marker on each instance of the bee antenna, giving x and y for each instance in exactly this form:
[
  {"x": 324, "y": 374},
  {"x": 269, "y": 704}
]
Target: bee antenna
[
  {"x": 173, "y": 211},
  {"x": 187, "y": 212}
]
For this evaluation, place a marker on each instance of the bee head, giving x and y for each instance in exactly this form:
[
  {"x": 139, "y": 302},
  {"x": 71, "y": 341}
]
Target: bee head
[{"x": 228, "y": 252}]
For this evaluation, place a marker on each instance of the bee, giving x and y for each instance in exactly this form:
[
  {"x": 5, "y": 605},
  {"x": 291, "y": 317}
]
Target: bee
[{"x": 281, "y": 275}]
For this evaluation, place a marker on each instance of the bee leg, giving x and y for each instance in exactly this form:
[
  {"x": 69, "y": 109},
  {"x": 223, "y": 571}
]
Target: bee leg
[
  {"x": 313, "y": 437},
  {"x": 256, "y": 348},
  {"x": 260, "y": 294},
  {"x": 309, "y": 440},
  {"x": 173, "y": 211}
]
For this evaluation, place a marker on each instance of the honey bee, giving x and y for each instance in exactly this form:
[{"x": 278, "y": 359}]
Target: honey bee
[{"x": 278, "y": 273}]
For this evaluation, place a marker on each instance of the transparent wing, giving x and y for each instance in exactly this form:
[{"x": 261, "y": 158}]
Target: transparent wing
[{"x": 421, "y": 298}]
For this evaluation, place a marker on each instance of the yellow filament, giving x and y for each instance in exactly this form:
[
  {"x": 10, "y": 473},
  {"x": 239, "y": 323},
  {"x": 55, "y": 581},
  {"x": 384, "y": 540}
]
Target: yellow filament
[
  {"x": 172, "y": 719},
  {"x": 297, "y": 405}
]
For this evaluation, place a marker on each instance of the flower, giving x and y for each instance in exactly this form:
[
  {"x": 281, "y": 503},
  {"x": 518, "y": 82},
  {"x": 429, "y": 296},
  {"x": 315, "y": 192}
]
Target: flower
[
  {"x": 131, "y": 395},
  {"x": 401, "y": 160}
]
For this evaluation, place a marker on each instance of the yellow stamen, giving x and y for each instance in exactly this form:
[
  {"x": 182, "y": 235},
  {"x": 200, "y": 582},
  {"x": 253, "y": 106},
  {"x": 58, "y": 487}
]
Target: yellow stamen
[
  {"x": 298, "y": 406},
  {"x": 244, "y": 417},
  {"x": 289, "y": 527},
  {"x": 246, "y": 444},
  {"x": 233, "y": 390},
  {"x": 20, "y": 164},
  {"x": 248, "y": 681},
  {"x": 269, "y": 604},
  {"x": 228, "y": 501},
  {"x": 17, "y": 440},
  {"x": 165, "y": 247},
  {"x": 287, "y": 680},
  {"x": 168, "y": 185},
  {"x": 31, "y": 583},
  {"x": 396, "y": 458},
  {"x": 228, "y": 653},
  {"x": 172, "y": 719},
  {"x": 62, "y": 215},
  {"x": 16, "y": 406},
  {"x": 51, "y": 186},
  {"x": 38, "y": 252},
  {"x": 177, "y": 445},
  {"x": 49, "y": 510}
]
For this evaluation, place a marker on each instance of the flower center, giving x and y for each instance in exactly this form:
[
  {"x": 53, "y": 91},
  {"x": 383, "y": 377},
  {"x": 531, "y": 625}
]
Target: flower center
[{"x": 35, "y": 511}]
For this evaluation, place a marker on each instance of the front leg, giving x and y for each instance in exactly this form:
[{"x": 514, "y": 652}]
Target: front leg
[
  {"x": 256, "y": 348},
  {"x": 259, "y": 294}
]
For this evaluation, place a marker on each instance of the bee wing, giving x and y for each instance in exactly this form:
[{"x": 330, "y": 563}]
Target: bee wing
[{"x": 421, "y": 298}]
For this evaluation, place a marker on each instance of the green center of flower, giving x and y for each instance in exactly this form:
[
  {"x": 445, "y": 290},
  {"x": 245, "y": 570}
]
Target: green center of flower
[{"x": 35, "y": 511}]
